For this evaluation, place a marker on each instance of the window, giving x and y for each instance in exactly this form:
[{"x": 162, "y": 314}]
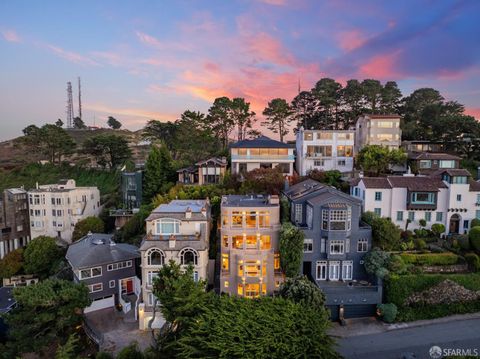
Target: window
[
  {"x": 91, "y": 272},
  {"x": 385, "y": 124},
  {"x": 225, "y": 242},
  {"x": 308, "y": 136},
  {"x": 97, "y": 287},
  {"x": 477, "y": 214},
  {"x": 264, "y": 219},
  {"x": 237, "y": 219},
  {"x": 336, "y": 247},
  {"x": 344, "y": 151},
  {"x": 321, "y": 270},
  {"x": 341, "y": 163},
  {"x": 252, "y": 290},
  {"x": 155, "y": 257},
  {"x": 336, "y": 219},
  {"x": 478, "y": 199},
  {"x": 265, "y": 242},
  {"x": 362, "y": 245},
  {"x": 325, "y": 135},
  {"x": 237, "y": 241},
  {"x": 276, "y": 261},
  {"x": 459, "y": 197},
  {"x": 439, "y": 216},
  {"x": 251, "y": 241},
  {"x": 225, "y": 262},
  {"x": 446, "y": 164},
  {"x": 399, "y": 215},
  {"x": 378, "y": 196},
  {"x": 411, "y": 216},
  {"x": 111, "y": 284},
  {"x": 423, "y": 198},
  {"x": 167, "y": 226},
  {"x": 323, "y": 245},
  {"x": 119, "y": 265},
  {"x": 195, "y": 276},
  {"x": 251, "y": 219},
  {"x": 428, "y": 216},
  {"x": 378, "y": 211},
  {"x": 188, "y": 256},
  {"x": 459, "y": 179},
  {"x": 152, "y": 299},
  {"x": 319, "y": 151},
  {"x": 298, "y": 212},
  {"x": 356, "y": 192},
  {"x": 334, "y": 270},
  {"x": 308, "y": 245},
  {"x": 309, "y": 216},
  {"x": 465, "y": 224},
  {"x": 347, "y": 268},
  {"x": 384, "y": 137},
  {"x": 343, "y": 136},
  {"x": 319, "y": 163},
  {"x": 226, "y": 284},
  {"x": 252, "y": 268},
  {"x": 150, "y": 276},
  {"x": 425, "y": 164}
]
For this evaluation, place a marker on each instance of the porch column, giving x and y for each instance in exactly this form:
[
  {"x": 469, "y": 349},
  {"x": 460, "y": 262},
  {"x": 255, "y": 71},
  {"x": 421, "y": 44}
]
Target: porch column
[
  {"x": 15, "y": 243},
  {"x": 2, "y": 251}
]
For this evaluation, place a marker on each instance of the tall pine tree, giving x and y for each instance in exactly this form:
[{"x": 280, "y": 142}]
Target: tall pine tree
[{"x": 159, "y": 172}]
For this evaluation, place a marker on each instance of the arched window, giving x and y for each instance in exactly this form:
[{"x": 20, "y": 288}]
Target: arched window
[
  {"x": 189, "y": 256},
  {"x": 155, "y": 257},
  {"x": 167, "y": 226}
]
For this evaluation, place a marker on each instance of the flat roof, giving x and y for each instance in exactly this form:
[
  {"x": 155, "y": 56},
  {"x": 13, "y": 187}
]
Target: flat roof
[
  {"x": 180, "y": 206},
  {"x": 254, "y": 200}
]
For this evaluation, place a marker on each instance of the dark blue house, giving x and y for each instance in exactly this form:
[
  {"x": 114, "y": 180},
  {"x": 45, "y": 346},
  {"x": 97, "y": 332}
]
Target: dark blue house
[{"x": 335, "y": 243}]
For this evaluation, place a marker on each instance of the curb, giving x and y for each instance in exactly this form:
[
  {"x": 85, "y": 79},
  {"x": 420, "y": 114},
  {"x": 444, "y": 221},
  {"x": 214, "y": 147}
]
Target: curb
[{"x": 422, "y": 323}]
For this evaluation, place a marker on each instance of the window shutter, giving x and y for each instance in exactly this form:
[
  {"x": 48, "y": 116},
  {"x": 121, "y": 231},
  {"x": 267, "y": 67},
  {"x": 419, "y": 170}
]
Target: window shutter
[{"x": 322, "y": 245}]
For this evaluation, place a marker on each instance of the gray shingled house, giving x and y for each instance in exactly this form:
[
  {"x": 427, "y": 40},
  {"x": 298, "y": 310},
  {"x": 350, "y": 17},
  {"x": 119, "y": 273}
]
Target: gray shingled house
[
  {"x": 108, "y": 269},
  {"x": 335, "y": 243}
]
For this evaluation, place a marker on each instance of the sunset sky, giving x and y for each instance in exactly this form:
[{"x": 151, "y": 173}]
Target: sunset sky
[{"x": 140, "y": 60}]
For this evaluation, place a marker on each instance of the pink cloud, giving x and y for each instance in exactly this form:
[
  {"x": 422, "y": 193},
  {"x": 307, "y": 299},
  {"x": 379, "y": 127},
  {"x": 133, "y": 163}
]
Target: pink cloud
[
  {"x": 133, "y": 115},
  {"x": 264, "y": 47},
  {"x": 350, "y": 40},
  {"x": 10, "y": 36},
  {"x": 274, "y": 2},
  {"x": 472, "y": 111},
  {"x": 381, "y": 67},
  {"x": 72, "y": 56}
]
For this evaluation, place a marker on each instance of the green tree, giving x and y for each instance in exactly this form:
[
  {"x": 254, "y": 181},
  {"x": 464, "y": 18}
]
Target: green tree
[
  {"x": 69, "y": 349},
  {"x": 372, "y": 94},
  {"x": 263, "y": 180},
  {"x": 108, "y": 149},
  {"x": 42, "y": 256},
  {"x": 131, "y": 351},
  {"x": 376, "y": 160},
  {"x": 291, "y": 249},
  {"x": 278, "y": 115},
  {"x": 352, "y": 95},
  {"x": 220, "y": 119},
  {"x": 242, "y": 117},
  {"x": 78, "y": 123},
  {"x": 46, "y": 311},
  {"x": 390, "y": 98},
  {"x": 157, "y": 131},
  {"x": 301, "y": 290},
  {"x": 304, "y": 107},
  {"x": 332, "y": 177},
  {"x": 114, "y": 123},
  {"x": 328, "y": 94},
  {"x": 59, "y": 123},
  {"x": 386, "y": 234},
  {"x": 377, "y": 262},
  {"x": 438, "y": 229},
  {"x": 475, "y": 223},
  {"x": 89, "y": 224},
  {"x": 12, "y": 263},
  {"x": 158, "y": 172}
]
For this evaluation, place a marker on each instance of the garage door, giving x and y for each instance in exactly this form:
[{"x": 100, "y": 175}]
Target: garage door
[
  {"x": 100, "y": 304},
  {"x": 359, "y": 311},
  {"x": 333, "y": 312}
]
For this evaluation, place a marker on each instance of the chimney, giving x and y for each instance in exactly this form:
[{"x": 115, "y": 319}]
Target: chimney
[
  {"x": 204, "y": 211},
  {"x": 188, "y": 213},
  {"x": 36, "y": 185},
  {"x": 274, "y": 199}
]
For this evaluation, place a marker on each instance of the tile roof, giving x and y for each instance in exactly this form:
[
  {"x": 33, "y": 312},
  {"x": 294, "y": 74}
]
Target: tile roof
[
  {"x": 97, "y": 249},
  {"x": 413, "y": 183},
  {"x": 474, "y": 186},
  {"x": 261, "y": 142},
  {"x": 451, "y": 172},
  {"x": 375, "y": 182}
]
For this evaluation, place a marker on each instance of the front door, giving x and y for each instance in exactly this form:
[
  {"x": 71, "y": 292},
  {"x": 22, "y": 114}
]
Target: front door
[
  {"x": 127, "y": 286},
  {"x": 454, "y": 223}
]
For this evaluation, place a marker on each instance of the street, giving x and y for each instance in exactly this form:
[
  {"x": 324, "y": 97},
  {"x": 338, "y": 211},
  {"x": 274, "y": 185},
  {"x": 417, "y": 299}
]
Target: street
[{"x": 461, "y": 334}]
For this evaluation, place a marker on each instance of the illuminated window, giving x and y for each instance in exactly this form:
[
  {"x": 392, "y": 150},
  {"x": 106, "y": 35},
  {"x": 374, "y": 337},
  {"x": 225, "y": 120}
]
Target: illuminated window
[
  {"x": 265, "y": 242},
  {"x": 264, "y": 269},
  {"x": 344, "y": 151},
  {"x": 242, "y": 151},
  {"x": 251, "y": 242},
  {"x": 225, "y": 262},
  {"x": 263, "y": 151},
  {"x": 283, "y": 151},
  {"x": 254, "y": 151},
  {"x": 385, "y": 137},
  {"x": 252, "y": 290},
  {"x": 225, "y": 241},
  {"x": 264, "y": 219},
  {"x": 264, "y": 289},
  {"x": 277, "y": 284},
  {"x": 240, "y": 289},
  {"x": 226, "y": 284},
  {"x": 276, "y": 261},
  {"x": 224, "y": 221},
  {"x": 273, "y": 151},
  {"x": 325, "y": 135},
  {"x": 385, "y": 124},
  {"x": 252, "y": 268},
  {"x": 237, "y": 242},
  {"x": 251, "y": 220},
  {"x": 308, "y": 136},
  {"x": 236, "y": 219}
]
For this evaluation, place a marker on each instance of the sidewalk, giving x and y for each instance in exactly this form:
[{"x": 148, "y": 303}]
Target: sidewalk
[{"x": 371, "y": 325}]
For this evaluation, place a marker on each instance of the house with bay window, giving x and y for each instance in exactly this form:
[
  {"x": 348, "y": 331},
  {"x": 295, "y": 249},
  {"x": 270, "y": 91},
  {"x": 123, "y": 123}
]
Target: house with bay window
[
  {"x": 324, "y": 150},
  {"x": 425, "y": 163},
  {"x": 262, "y": 152},
  {"x": 447, "y": 196},
  {"x": 334, "y": 245},
  {"x": 109, "y": 270},
  {"x": 179, "y": 231},
  {"x": 250, "y": 261}
]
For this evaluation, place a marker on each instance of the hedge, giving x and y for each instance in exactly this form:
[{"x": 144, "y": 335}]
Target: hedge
[
  {"x": 431, "y": 259},
  {"x": 399, "y": 288}
]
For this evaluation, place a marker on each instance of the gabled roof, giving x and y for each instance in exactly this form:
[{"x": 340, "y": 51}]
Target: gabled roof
[
  {"x": 451, "y": 172},
  {"x": 96, "y": 249},
  {"x": 432, "y": 156},
  {"x": 302, "y": 188},
  {"x": 412, "y": 183},
  {"x": 221, "y": 161},
  {"x": 317, "y": 192},
  {"x": 261, "y": 142},
  {"x": 191, "y": 169},
  {"x": 374, "y": 182}
]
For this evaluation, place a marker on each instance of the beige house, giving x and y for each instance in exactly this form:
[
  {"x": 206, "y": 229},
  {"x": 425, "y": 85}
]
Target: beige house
[
  {"x": 383, "y": 130},
  {"x": 250, "y": 263},
  {"x": 55, "y": 209},
  {"x": 179, "y": 230}
]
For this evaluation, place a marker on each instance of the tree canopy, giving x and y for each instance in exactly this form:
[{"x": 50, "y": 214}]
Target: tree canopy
[
  {"x": 278, "y": 115},
  {"x": 42, "y": 256},
  {"x": 385, "y": 234},
  {"x": 89, "y": 224},
  {"x": 301, "y": 290},
  {"x": 376, "y": 160},
  {"x": 113, "y": 123},
  {"x": 109, "y": 150},
  {"x": 11, "y": 264},
  {"x": 291, "y": 249},
  {"x": 159, "y": 173}
]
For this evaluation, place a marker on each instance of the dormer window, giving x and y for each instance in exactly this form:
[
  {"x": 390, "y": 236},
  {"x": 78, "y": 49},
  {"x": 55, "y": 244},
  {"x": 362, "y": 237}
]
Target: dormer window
[
  {"x": 423, "y": 198},
  {"x": 460, "y": 179},
  {"x": 167, "y": 226}
]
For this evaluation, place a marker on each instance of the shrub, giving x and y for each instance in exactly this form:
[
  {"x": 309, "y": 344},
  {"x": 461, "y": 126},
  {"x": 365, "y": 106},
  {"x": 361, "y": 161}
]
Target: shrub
[
  {"x": 438, "y": 229},
  {"x": 387, "y": 312},
  {"x": 431, "y": 259},
  {"x": 397, "y": 265},
  {"x": 104, "y": 355},
  {"x": 474, "y": 236},
  {"x": 422, "y": 222},
  {"x": 291, "y": 249},
  {"x": 463, "y": 242},
  {"x": 420, "y": 244},
  {"x": 473, "y": 261},
  {"x": 301, "y": 290},
  {"x": 475, "y": 223},
  {"x": 89, "y": 224},
  {"x": 130, "y": 352},
  {"x": 377, "y": 262}
]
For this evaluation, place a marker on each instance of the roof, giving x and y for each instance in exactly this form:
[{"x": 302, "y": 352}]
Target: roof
[
  {"x": 261, "y": 142},
  {"x": 222, "y": 161},
  {"x": 96, "y": 249},
  {"x": 254, "y": 200},
  {"x": 6, "y": 299},
  {"x": 302, "y": 188},
  {"x": 16, "y": 190},
  {"x": 451, "y": 172},
  {"x": 320, "y": 193},
  {"x": 474, "y": 186},
  {"x": 432, "y": 156},
  {"x": 177, "y": 208},
  {"x": 412, "y": 183},
  {"x": 190, "y": 169},
  {"x": 379, "y": 117}
]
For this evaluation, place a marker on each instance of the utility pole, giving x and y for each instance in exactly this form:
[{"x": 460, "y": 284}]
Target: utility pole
[
  {"x": 69, "y": 105},
  {"x": 79, "y": 99}
]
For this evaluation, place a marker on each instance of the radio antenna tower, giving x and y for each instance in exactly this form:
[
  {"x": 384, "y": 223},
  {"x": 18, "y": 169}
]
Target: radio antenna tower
[
  {"x": 79, "y": 99},
  {"x": 69, "y": 105}
]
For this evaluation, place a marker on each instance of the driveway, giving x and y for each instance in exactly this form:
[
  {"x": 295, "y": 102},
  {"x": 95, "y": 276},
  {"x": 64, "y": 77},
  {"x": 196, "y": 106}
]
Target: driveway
[
  {"x": 118, "y": 330},
  {"x": 454, "y": 338}
]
